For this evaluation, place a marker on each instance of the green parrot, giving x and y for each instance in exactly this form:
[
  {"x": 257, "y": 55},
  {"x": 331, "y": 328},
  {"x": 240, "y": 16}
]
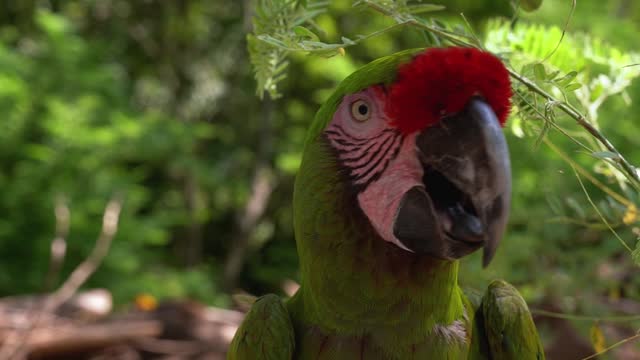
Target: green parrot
[{"x": 405, "y": 170}]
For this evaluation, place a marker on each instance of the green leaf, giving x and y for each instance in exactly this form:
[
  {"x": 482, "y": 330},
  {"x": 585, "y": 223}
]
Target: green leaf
[
  {"x": 530, "y": 5},
  {"x": 605, "y": 155},
  {"x": 347, "y": 41},
  {"x": 423, "y": 8},
  {"x": 553, "y": 75},
  {"x": 273, "y": 41},
  {"x": 572, "y": 87},
  {"x": 539, "y": 72},
  {"x": 567, "y": 78},
  {"x": 439, "y": 23},
  {"x": 597, "y": 90},
  {"x": 303, "y": 32},
  {"x": 51, "y": 23}
]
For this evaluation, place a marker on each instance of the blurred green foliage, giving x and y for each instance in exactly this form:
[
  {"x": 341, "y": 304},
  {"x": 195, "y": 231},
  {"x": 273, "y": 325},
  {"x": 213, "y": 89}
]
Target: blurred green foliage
[{"x": 155, "y": 101}]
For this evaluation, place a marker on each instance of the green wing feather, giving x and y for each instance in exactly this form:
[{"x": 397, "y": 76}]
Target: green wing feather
[
  {"x": 265, "y": 334},
  {"x": 504, "y": 328}
]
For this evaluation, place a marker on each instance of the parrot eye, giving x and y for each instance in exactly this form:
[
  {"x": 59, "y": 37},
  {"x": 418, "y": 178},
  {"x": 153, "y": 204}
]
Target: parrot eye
[{"x": 360, "y": 110}]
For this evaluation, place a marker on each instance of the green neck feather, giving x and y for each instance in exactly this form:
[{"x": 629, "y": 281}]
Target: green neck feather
[{"x": 353, "y": 282}]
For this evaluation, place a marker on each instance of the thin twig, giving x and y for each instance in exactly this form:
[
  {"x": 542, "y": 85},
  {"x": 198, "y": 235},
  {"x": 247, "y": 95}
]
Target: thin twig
[
  {"x": 474, "y": 36},
  {"x": 557, "y": 315},
  {"x": 619, "y": 198},
  {"x": 564, "y": 31},
  {"x": 590, "y": 225},
  {"x": 604, "y": 220},
  {"x": 17, "y": 348},
  {"x": 58, "y": 244},
  {"x": 82, "y": 273}
]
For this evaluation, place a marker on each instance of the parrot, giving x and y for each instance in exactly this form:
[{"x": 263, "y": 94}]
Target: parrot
[{"x": 405, "y": 170}]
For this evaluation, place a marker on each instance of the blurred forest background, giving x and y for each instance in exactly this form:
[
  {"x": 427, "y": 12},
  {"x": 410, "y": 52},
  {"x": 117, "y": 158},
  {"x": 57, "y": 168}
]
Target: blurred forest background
[{"x": 155, "y": 102}]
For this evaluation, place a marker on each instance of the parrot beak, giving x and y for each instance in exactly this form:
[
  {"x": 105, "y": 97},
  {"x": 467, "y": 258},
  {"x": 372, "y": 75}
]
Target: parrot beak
[{"x": 464, "y": 204}]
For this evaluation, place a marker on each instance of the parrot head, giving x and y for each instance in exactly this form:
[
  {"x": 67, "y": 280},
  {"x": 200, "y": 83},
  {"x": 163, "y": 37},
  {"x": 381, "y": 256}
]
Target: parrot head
[{"x": 416, "y": 138}]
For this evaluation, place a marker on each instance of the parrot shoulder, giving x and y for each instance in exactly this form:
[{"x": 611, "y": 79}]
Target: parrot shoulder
[
  {"x": 265, "y": 334},
  {"x": 503, "y": 327}
]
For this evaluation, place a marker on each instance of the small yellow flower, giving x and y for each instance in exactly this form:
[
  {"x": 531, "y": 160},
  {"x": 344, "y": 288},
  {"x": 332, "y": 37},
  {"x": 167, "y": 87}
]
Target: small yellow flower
[
  {"x": 631, "y": 215},
  {"x": 146, "y": 302},
  {"x": 597, "y": 338},
  {"x": 341, "y": 51}
]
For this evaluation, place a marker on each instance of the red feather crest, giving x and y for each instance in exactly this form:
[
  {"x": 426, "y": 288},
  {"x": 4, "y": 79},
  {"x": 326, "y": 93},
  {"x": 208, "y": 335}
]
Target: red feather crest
[{"x": 440, "y": 81}]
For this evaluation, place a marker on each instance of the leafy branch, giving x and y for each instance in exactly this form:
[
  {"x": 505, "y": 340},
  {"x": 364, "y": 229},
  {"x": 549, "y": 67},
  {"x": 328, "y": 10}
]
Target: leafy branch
[{"x": 278, "y": 30}]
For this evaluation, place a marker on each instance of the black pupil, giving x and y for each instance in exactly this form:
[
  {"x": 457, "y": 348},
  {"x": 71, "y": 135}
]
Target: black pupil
[{"x": 363, "y": 109}]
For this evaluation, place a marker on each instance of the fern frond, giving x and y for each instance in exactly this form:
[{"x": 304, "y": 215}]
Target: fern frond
[{"x": 578, "y": 52}]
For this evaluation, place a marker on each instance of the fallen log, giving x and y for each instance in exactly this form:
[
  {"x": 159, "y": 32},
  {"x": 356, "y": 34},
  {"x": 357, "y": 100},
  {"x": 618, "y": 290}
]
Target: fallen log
[
  {"x": 70, "y": 340},
  {"x": 175, "y": 329}
]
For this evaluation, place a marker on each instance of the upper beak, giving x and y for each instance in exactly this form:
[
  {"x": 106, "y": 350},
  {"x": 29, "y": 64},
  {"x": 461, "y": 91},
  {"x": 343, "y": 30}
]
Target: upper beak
[{"x": 464, "y": 204}]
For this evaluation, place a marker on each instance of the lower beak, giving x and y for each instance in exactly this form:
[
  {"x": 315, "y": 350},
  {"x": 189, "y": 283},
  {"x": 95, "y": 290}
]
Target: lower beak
[{"x": 464, "y": 204}]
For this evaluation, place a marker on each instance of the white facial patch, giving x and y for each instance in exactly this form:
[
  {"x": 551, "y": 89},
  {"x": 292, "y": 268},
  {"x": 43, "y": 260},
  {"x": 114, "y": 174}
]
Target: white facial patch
[
  {"x": 381, "y": 199},
  {"x": 379, "y": 160}
]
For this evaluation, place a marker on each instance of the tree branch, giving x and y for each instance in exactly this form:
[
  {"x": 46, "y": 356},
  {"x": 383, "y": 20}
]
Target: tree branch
[
  {"x": 59, "y": 243},
  {"x": 15, "y": 345}
]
